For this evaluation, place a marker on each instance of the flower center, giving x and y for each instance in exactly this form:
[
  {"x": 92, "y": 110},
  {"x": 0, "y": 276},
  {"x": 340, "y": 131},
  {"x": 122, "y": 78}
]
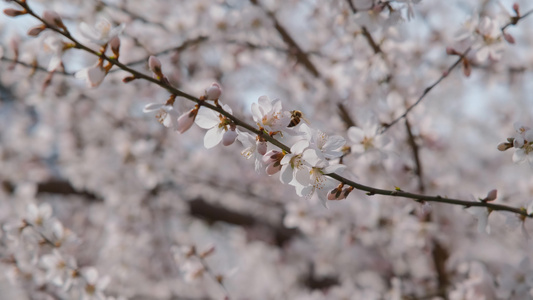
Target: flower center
[
  {"x": 296, "y": 162},
  {"x": 368, "y": 143},
  {"x": 90, "y": 289},
  {"x": 321, "y": 140},
  {"x": 103, "y": 28},
  {"x": 317, "y": 178}
]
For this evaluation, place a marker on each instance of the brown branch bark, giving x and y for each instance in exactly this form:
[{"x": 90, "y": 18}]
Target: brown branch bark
[
  {"x": 299, "y": 54},
  {"x": 416, "y": 156},
  {"x": 198, "y": 208}
]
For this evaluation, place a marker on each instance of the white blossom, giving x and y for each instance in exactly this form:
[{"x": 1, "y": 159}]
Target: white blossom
[
  {"x": 93, "y": 286},
  {"x": 294, "y": 170},
  {"x": 216, "y": 123},
  {"x": 524, "y": 146},
  {"x": 328, "y": 146},
  {"x": 165, "y": 114},
  {"x": 93, "y": 75},
  {"x": 102, "y": 32},
  {"x": 367, "y": 141},
  {"x": 39, "y": 215},
  {"x": 270, "y": 115},
  {"x": 250, "y": 149},
  {"x": 56, "y": 47},
  {"x": 482, "y": 215},
  {"x": 59, "y": 269}
]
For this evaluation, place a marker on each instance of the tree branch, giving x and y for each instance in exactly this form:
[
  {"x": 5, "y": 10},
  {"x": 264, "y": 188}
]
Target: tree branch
[
  {"x": 198, "y": 208},
  {"x": 300, "y": 55},
  {"x": 416, "y": 157}
]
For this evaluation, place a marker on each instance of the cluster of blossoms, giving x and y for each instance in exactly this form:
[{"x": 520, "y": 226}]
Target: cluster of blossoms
[
  {"x": 103, "y": 34},
  {"x": 481, "y": 40},
  {"x": 192, "y": 262},
  {"x": 311, "y": 157},
  {"x": 522, "y": 142},
  {"x": 34, "y": 247},
  {"x": 313, "y": 153}
]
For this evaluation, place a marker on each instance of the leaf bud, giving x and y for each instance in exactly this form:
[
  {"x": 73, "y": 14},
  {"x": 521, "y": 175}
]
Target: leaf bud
[
  {"x": 213, "y": 92},
  {"x": 13, "y": 12}
]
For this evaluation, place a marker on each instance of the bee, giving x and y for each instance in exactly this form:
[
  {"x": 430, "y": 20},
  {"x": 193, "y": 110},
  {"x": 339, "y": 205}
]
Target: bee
[{"x": 296, "y": 117}]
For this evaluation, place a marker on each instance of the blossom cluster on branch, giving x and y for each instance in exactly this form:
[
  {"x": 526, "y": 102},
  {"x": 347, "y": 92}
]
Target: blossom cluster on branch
[{"x": 356, "y": 120}]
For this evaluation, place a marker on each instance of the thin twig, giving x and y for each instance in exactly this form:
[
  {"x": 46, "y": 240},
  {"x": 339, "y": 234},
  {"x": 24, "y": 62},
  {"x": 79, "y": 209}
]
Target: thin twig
[
  {"x": 424, "y": 198},
  {"x": 352, "y": 6},
  {"x": 513, "y": 21},
  {"x": 136, "y": 16},
  {"x": 345, "y": 116},
  {"x": 219, "y": 280},
  {"x": 182, "y": 47},
  {"x": 416, "y": 156},
  {"x": 375, "y": 47},
  {"x": 35, "y": 67},
  {"x": 426, "y": 91},
  {"x": 300, "y": 55}
]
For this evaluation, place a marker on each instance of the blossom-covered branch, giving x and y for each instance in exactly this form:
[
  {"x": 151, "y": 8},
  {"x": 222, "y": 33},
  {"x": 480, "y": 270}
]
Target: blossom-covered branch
[
  {"x": 294, "y": 156},
  {"x": 93, "y": 192}
]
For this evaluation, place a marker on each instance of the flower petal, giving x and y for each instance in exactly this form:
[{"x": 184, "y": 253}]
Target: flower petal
[
  {"x": 207, "y": 118},
  {"x": 356, "y": 134},
  {"x": 286, "y": 174},
  {"x": 334, "y": 142},
  {"x": 213, "y": 137}
]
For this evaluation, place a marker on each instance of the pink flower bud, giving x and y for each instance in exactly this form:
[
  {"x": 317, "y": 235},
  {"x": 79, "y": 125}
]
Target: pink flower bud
[
  {"x": 273, "y": 168},
  {"x": 261, "y": 147},
  {"x": 504, "y": 146},
  {"x": 128, "y": 79},
  {"x": 347, "y": 192},
  {"x": 213, "y": 92},
  {"x": 492, "y": 195},
  {"x": 52, "y": 18},
  {"x": 451, "y": 51},
  {"x": 155, "y": 65},
  {"x": 35, "y": 31},
  {"x": 186, "y": 120},
  {"x": 13, "y": 12},
  {"x": 267, "y": 159},
  {"x": 335, "y": 194},
  {"x": 509, "y": 38},
  {"x": 115, "y": 45},
  {"x": 229, "y": 137},
  {"x": 272, "y": 156},
  {"x": 516, "y": 8}
]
